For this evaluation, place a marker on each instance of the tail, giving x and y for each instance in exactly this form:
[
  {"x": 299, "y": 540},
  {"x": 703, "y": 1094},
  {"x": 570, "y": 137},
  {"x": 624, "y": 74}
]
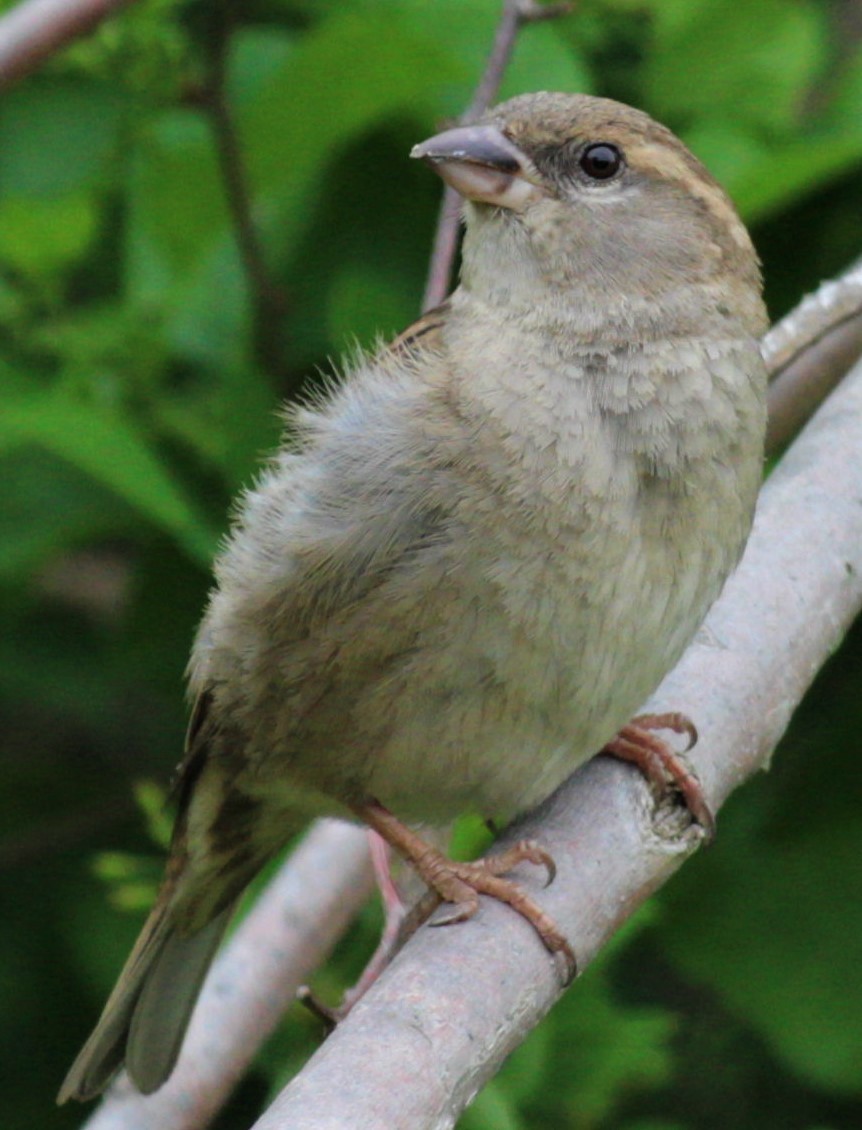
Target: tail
[{"x": 147, "y": 1014}]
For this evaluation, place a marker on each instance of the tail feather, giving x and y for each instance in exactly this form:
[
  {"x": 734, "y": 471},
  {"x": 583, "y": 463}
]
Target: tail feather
[
  {"x": 167, "y": 999},
  {"x": 147, "y": 1014}
]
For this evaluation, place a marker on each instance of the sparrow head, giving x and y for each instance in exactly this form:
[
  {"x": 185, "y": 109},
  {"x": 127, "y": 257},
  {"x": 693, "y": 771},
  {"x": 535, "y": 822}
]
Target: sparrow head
[{"x": 580, "y": 193}]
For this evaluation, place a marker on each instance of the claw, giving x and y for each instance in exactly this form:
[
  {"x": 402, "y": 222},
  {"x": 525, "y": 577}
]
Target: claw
[
  {"x": 673, "y": 720},
  {"x": 660, "y": 765},
  {"x": 457, "y": 912},
  {"x": 462, "y": 883}
]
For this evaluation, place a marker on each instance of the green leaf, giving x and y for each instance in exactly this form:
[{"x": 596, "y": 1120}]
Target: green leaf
[
  {"x": 182, "y": 258},
  {"x": 30, "y": 531},
  {"x": 57, "y": 135},
  {"x": 806, "y": 164},
  {"x": 351, "y": 72},
  {"x": 363, "y": 304},
  {"x": 112, "y": 448},
  {"x": 38, "y": 237},
  {"x": 492, "y": 1107},
  {"x": 653, "y": 1124},
  {"x": 754, "y": 67},
  {"x": 771, "y": 916},
  {"x": 746, "y": 166},
  {"x": 176, "y": 201},
  {"x": 182, "y": 254},
  {"x": 230, "y": 424},
  {"x": 845, "y": 103},
  {"x": 151, "y": 800}
]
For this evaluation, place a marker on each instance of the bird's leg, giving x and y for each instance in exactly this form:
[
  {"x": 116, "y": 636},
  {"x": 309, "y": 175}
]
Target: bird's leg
[
  {"x": 462, "y": 883},
  {"x": 395, "y": 914},
  {"x": 663, "y": 768},
  {"x": 398, "y": 926}
]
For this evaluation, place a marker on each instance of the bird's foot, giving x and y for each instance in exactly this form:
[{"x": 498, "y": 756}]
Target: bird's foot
[
  {"x": 661, "y": 766},
  {"x": 462, "y": 883}
]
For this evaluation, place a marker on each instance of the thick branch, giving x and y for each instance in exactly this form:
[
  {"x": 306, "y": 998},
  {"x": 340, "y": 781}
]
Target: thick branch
[
  {"x": 294, "y": 924},
  {"x": 456, "y": 1001},
  {"x": 36, "y": 29}
]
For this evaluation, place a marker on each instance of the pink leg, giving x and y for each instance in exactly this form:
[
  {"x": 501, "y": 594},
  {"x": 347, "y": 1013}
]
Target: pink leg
[{"x": 396, "y": 930}]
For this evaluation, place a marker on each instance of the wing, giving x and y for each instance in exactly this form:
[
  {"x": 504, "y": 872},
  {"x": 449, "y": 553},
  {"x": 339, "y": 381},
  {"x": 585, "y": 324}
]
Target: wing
[
  {"x": 319, "y": 533},
  {"x": 330, "y": 523}
]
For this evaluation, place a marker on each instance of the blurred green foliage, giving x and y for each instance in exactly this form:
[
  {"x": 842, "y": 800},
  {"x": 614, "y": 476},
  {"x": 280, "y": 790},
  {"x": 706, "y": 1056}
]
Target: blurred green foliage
[{"x": 138, "y": 385}]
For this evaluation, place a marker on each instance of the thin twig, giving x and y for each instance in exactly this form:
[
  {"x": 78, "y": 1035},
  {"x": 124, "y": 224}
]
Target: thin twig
[
  {"x": 515, "y": 14},
  {"x": 268, "y": 300},
  {"x": 36, "y": 29}
]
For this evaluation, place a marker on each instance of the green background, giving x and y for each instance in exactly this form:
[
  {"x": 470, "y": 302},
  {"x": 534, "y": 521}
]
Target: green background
[{"x": 139, "y": 378}]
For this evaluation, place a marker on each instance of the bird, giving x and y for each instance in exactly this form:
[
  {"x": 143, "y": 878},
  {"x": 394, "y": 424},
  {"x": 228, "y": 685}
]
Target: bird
[{"x": 477, "y": 553}]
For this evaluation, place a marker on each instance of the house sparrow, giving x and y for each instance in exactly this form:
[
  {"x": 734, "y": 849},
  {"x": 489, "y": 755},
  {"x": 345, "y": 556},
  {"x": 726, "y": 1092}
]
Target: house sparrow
[{"x": 473, "y": 559}]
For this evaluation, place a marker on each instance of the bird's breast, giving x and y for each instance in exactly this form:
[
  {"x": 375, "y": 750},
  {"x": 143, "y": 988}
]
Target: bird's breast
[{"x": 592, "y": 561}]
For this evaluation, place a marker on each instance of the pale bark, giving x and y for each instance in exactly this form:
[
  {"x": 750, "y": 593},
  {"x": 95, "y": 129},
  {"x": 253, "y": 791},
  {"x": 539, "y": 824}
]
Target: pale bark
[{"x": 36, "y": 29}]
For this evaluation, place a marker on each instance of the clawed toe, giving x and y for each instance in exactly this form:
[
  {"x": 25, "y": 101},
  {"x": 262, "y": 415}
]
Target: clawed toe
[
  {"x": 478, "y": 878},
  {"x": 460, "y": 884},
  {"x": 660, "y": 764},
  {"x": 524, "y": 851},
  {"x": 673, "y": 720}
]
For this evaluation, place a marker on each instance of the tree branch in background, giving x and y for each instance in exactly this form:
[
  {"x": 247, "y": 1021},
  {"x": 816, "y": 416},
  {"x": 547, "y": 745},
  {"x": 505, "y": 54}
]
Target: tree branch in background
[
  {"x": 516, "y": 13},
  {"x": 809, "y": 351},
  {"x": 268, "y": 300},
  {"x": 602, "y": 813},
  {"x": 36, "y": 29}
]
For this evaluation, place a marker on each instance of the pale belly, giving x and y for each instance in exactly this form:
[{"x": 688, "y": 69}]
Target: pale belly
[{"x": 533, "y": 683}]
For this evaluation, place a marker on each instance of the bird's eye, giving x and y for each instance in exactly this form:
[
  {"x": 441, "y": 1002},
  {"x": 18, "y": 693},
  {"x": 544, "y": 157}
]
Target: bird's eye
[{"x": 601, "y": 161}]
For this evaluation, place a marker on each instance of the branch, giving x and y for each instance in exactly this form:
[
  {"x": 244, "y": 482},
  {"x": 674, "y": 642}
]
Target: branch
[
  {"x": 515, "y": 14},
  {"x": 268, "y": 300},
  {"x": 809, "y": 351},
  {"x": 36, "y": 29},
  {"x": 290, "y": 929},
  {"x": 455, "y": 1002}
]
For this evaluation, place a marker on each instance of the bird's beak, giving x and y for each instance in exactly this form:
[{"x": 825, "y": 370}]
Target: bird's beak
[{"x": 483, "y": 165}]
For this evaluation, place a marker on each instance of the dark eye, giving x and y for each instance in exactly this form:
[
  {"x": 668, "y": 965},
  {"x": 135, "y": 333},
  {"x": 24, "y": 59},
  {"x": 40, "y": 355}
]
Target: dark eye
[{"x": 601, "y": 161}]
